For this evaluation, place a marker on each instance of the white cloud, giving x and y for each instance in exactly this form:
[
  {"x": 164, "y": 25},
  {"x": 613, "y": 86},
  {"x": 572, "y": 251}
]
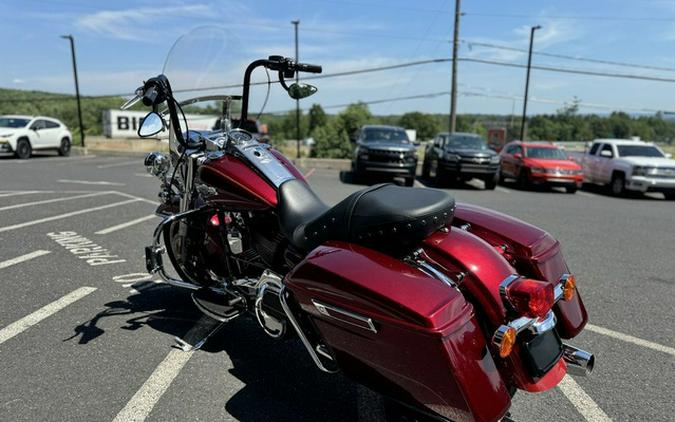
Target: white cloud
[
  {"x": 551, "y": 33},
  {"x": 135, "y": 24},
  {"x": 18, "y": 81}
]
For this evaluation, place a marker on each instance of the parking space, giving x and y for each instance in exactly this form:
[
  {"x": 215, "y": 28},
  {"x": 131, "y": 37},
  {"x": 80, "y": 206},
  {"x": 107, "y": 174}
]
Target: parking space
[{"x": 85, "y": 330}]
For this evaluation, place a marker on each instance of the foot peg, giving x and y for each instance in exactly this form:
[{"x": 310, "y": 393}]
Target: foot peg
[{"x": 222, "y": 307}]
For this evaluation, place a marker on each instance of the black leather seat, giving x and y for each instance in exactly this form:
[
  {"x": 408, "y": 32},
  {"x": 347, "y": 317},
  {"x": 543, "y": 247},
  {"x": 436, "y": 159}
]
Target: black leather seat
[{"x": 384, "y": 217}]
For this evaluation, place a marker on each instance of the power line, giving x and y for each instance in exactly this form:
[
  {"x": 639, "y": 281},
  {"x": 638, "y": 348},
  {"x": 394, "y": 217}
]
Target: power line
[
  {"x": 569, "y": 17},
  {"x": 568, "y": 57},
  {"x": 383, "y": 68},
  {"x": 574, "y": 71},
  {"x": 509, "y": 97}
]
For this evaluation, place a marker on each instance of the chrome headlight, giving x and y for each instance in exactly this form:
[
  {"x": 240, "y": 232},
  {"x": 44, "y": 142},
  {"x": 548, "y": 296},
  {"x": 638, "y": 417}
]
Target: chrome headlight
[
  {"x": 538, "y": 170},
  {"x": 643, "y": 170},
  {"x": 451, "y": 157},
  {"x": 157, "y": 164},
  {"x": 494, "y": 159}
]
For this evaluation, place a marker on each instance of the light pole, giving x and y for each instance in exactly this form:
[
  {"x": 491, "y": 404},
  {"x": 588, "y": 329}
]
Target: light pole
[
  {"x": 77, "y": 85},
  {"x": 455, "y": 47},
  {"x": 523, "y": 129},
  {"x": 297, "y": 101}
]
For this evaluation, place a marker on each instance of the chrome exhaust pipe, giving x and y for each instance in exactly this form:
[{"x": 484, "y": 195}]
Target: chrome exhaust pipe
[{"x": 579, "y": 362}]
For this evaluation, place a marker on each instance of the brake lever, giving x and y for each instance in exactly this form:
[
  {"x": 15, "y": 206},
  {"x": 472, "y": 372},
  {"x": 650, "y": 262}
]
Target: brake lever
[{"x": 130, "y": 103}]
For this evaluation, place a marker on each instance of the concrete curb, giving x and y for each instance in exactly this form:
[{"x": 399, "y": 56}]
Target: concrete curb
[
  {"x": 106, "y": 152},
  {"x": 332, "y": 163}
]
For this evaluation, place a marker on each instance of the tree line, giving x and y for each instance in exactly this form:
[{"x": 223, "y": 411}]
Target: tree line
[{"x": 333, "y": 133}]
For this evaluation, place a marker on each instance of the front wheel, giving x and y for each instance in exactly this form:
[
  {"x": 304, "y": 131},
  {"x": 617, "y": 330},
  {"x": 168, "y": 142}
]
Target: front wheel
[
  {"x": 23, "y": 149},
  {"x": 571, "y": 189},
  {"x": 523, "y": 183},
  {"x": 670, "y": 196},
  {"x": 618, "y": 185},
  {"x": 410, "y": 181},
  {"x": 64, "y": 148},
  {"x": 490, "y": 183},
  {"x": 425, "y": 169}
]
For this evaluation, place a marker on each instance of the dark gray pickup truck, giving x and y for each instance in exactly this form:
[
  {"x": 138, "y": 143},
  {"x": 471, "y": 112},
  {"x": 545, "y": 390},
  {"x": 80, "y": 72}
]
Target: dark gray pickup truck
[
  {"x": 385, "y": 150},
  {"x": 460, "y": 156}
]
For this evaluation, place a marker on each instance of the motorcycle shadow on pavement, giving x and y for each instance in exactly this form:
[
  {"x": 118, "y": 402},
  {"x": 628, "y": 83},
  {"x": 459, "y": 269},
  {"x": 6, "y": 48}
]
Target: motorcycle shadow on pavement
[{"x": 280, "y": 381}]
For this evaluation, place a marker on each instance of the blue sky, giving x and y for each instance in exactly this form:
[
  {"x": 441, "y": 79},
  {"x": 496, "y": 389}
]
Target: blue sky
[{"x": 119, "y": 43}]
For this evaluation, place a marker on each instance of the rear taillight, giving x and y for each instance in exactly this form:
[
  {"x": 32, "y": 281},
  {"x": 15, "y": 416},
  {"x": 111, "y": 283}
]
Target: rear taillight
[{"x": 530, "y": 297}]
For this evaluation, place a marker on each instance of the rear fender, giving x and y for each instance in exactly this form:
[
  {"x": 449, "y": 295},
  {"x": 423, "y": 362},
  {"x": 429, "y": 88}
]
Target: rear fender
[
  {"x": 484, "y": 269},
  {"x": 531, "y": 251}
]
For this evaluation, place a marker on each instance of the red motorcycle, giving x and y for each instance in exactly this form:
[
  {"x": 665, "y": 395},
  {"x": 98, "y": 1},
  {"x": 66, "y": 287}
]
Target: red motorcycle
[{"x": 445, "y": 308}]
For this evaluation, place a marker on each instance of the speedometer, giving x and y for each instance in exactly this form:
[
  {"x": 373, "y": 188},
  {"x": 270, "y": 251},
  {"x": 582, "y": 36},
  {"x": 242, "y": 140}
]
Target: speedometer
[{"x": 240, "y": 136}]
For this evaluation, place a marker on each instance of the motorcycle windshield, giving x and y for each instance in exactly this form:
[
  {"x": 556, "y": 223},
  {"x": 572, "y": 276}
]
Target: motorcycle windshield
[
  {"x": 204, "y": 62},
  {"x": 210, "y": 61}
]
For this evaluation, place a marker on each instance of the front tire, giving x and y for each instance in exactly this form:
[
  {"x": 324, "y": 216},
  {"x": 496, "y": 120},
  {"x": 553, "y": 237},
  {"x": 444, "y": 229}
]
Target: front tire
[
  {"x": 425, "y": 169},
  {"x": 523, "y": 183},
  {"x": 490, "y": 182},
  {"x": 64, "y": 148},
  {"x": 571, "y": 189},
  {"x": 618, "y": 185},
  {"x": 23, "y": 149},
  {"x": 670, "y": 196}
]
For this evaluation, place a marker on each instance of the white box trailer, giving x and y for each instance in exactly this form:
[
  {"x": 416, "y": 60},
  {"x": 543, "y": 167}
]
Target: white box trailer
[{"x": 125, "y": 123}]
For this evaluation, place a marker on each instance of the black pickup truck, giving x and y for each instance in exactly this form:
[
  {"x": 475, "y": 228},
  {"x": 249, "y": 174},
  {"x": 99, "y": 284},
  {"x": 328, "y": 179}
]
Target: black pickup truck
[
  {"x": 460, "y": 156},
  {"x": 385, "y": 150}
]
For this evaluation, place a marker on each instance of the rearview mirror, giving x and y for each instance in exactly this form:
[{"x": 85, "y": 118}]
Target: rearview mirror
[
  {"x": 607, "y": 154},
  {"x": 669, "y": 155},
  {"x": 299, "y": 91},
  {"x": 518, "y": 156},
  {"x": 152, "y": 125}
]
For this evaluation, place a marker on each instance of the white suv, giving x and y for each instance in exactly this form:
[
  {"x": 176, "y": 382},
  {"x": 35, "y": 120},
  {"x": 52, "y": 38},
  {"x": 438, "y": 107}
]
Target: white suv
[
  {"x": 21, "y": 135},
  {"x": 629, "y": 165}
]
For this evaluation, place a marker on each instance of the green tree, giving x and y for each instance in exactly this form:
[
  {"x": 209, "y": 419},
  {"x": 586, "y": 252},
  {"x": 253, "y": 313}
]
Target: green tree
[
  {"x": 317, "y": 117},
  {"x": 426, "y": 126},
  {"x": 352, "y": 118},
  {"x": 331, "y": 141}
]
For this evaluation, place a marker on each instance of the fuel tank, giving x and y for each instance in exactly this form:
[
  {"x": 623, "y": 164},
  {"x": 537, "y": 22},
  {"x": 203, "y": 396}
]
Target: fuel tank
[
  {"x": 239, "y": 185},
  {"x": 399, "y": 331}
]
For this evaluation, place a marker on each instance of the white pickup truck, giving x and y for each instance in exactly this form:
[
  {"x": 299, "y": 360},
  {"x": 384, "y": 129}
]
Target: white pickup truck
[{"x": 632, "y": 165}]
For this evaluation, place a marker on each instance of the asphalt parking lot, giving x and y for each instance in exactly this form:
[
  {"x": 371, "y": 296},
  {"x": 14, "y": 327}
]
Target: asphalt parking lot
[{"x": 86, "y": 338}]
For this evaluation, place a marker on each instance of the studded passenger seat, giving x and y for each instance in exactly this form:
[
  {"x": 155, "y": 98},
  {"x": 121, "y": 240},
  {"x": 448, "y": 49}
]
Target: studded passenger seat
[{"x": 383, "y": 217}]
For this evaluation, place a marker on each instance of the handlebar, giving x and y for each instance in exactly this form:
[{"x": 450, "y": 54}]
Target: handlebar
[{"x": 310, "y": 68}]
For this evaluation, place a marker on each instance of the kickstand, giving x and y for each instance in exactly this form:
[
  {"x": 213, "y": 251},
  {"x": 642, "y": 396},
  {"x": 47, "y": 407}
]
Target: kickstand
[{"x": 187, "y": 344}]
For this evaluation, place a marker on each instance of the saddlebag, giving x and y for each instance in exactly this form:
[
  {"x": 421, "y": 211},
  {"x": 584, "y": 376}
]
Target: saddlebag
[{"x": 399, "y": 331}]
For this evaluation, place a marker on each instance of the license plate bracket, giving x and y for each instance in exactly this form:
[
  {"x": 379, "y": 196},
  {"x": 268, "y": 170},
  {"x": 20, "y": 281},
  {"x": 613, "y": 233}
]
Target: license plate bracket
[{"x": 542, "y": 352}]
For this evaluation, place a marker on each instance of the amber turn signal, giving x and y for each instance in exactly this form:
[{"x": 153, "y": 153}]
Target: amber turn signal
[
  {"x": 505, "y": 338},
  {"x": 569, "y": 288}
]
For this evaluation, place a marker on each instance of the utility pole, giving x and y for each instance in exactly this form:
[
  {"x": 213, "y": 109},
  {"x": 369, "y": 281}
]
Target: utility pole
[
  {"x": 455, "y": 47},
  {"x": 77, "y": 86},
  {"x": 297, "y": 101},
  {"x": 523, "y": 129}
]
